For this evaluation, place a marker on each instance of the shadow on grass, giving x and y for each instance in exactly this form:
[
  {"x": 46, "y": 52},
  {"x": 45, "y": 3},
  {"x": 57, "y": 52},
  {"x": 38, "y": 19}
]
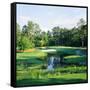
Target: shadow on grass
[
  {"x": 28, "y": 59},
  {"x": 52, "y": 81}
]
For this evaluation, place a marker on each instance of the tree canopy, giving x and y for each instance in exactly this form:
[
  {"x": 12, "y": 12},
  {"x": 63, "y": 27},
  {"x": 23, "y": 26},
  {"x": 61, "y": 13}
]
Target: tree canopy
[{"x": 31, "y": 36}]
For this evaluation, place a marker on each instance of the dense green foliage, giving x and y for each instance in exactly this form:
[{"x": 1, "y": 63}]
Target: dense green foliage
[{"x": 32, "y": 36}]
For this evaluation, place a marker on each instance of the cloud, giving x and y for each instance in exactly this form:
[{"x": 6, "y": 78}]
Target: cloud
[
  {"x": 27, "y": 18},
  {"x": 64, "y": 21},
  {"x": 49, "y": 23},
  {"x": 23, "y": 20},
  {"x": 24, "y": 17}
]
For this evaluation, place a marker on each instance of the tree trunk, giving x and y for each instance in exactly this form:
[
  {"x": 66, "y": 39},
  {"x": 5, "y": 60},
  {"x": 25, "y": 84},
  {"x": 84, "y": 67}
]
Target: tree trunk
[{"x": 82, "y": 43}]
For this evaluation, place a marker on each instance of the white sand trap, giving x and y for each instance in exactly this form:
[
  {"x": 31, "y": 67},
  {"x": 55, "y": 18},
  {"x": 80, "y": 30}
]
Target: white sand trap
[{"x": 49, "y": 50}]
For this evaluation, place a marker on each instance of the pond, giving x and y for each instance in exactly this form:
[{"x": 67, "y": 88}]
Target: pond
[
  {"x": 53, "y": 60},
  {"x": 56, "y": 59},
  {"x": 81, "y": 52}
]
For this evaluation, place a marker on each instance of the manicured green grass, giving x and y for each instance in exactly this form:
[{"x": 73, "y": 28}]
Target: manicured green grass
[
  {"x": 25, "y": 55},
  {"x": 75, "y": 59},
  {"x": 34, "y": 74},
  {"x": 53, "y": 79},
  {"x": 65, "y": 49},
  {"x": 42, "y": 73},
  {"x": 36, "y": 57}
]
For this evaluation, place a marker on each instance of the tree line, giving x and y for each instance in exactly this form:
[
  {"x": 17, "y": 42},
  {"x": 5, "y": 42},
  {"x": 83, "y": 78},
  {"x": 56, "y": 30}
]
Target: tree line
[{"x": 31, "y": 36}]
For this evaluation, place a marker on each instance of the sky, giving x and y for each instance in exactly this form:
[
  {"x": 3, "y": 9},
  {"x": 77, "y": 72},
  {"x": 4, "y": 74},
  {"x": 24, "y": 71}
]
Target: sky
[{"x": 49, "y": 16}]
